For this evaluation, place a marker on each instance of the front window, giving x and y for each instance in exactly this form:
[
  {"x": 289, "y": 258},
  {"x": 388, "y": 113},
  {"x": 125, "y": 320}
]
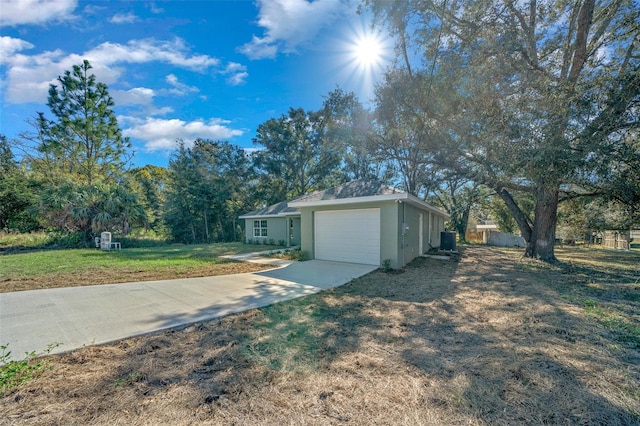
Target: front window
[{"x": 260, "y": 228}]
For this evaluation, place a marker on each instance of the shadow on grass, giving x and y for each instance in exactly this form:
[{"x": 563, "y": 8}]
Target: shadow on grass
[{"x": 489, "y": 342}]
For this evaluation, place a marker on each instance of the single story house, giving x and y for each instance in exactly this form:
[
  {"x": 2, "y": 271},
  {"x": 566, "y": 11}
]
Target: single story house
[{"x": 358, "y": 222}]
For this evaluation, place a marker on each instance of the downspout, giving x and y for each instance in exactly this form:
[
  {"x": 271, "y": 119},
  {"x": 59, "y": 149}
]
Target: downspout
[{"x": 430, "y": 219}]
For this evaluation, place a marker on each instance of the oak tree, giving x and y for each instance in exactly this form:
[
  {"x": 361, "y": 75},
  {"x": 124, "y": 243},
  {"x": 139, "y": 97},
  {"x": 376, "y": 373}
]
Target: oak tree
[{"x": 537, "y": 91}]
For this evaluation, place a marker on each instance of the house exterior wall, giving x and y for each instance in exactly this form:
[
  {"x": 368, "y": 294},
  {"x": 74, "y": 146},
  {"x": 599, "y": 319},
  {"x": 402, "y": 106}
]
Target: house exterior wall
[
  {"x": 295, "y": 237},
  {"x": 388, "y": 227},
  {"x": 277, "y": 230},
  {"x": 437, "y": 226},
  {"x": 409, "y": 238},
  {"x": 395, "y": 246}
]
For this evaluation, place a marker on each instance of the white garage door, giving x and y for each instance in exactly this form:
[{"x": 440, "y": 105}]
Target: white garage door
[{"x": 348, "y": 236}]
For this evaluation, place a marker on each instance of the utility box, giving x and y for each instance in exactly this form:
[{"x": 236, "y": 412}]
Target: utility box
[
  {"x": 448, "y": 241},
  {"x": 105, "y": 241}
]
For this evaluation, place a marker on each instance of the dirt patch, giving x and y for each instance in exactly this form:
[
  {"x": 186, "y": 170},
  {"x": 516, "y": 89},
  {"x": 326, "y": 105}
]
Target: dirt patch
[
  {"x": 101, "y": 275},
  {"x": 491, "y": 339}
]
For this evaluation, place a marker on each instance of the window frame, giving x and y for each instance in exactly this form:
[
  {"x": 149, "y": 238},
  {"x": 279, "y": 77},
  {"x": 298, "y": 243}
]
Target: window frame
[{"x": 260, "y": 228}]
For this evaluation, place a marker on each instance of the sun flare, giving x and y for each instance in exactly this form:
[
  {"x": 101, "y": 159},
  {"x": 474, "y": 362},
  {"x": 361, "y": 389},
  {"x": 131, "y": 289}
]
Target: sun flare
[
  {"x": 363, "y": 55},
  {"x": 368, "y": 51}
]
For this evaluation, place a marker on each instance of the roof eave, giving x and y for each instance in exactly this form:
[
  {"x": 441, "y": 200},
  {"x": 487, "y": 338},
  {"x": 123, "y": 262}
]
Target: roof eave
[
  {"x": 401, "y": 196},
  {"x": 266, "y": 216},
  {"x": 352, "y": 200},
  {"x": 426, "y": 206}
]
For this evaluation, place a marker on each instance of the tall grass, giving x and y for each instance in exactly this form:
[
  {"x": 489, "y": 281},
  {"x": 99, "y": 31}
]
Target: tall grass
[
  {"x": 30, "y": 240},
  {"x": 10, "y": 241}
]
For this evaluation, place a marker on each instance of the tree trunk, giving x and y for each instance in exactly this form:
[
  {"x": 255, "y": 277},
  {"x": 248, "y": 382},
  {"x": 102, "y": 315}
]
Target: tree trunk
[
  {"x": 464, "y": 224},
  {"x": 206, "y": 227},
  {"x": 521, "y": 219},
  {"x": 543, "y": 233}
]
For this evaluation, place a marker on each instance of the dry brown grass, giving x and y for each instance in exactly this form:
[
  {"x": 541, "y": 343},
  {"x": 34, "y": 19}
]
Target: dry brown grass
[{"x": 489, "y": 340}]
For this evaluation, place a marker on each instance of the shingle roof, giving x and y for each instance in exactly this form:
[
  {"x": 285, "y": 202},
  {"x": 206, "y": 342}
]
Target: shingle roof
[
  {"x": 358, "y": 188},
  {"x": 355, "y": 189},
  {"x": 274, "y": 209}
]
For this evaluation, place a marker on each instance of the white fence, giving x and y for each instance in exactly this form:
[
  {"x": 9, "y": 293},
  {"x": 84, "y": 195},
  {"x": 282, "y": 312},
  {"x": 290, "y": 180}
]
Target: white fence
[{"x": 501, "y": 239}]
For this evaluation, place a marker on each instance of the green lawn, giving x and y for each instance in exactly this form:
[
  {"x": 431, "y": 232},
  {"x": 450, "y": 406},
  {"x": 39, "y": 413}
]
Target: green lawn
[{"x": 77, "y": 260}]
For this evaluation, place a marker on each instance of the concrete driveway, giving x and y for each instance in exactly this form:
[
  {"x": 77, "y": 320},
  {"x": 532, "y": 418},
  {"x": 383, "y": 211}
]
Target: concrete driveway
[{"x": 79, "y": 316}]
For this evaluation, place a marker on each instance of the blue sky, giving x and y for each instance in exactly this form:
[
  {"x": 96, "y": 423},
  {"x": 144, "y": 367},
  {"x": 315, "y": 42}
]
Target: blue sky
[{"x": 186, "y": 69}]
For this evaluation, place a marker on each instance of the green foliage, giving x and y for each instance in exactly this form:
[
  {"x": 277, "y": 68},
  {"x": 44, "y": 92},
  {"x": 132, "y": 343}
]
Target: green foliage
[
  {"x": 348, "y": 129},
  {"x": 207, "y": 190},
  {"x": 458, "y": 197},
  {"x": 16, "y": 240},
  {"x": 131, "y": 378},
  {"x": 517, "y": 98},
  {"x": 386, "y": 265},
  {"x": 291, "y": 254},
  {"x": 405, "y": 136},
  {"x": 84, "y": 140},
  {"x": 142, "y": 238},
  {"x": 495, "y": 208},
  {"x": 13, "y": 241},
  {"x": 17, "y": 193},
  {"x": 14, "y": 373},
  {"x": 299, "y": 255},
  {"x": 150, "y": 183},
  {"x": 294, "y": 158},
  {"x": 81, "y": 158}
]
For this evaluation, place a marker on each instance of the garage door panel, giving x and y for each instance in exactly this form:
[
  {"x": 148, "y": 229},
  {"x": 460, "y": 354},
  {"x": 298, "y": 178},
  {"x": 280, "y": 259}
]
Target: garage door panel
[{"x": 348, "y": 236}]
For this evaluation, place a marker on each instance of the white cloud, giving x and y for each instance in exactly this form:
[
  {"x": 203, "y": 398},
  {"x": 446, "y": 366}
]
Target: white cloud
[
  {"x": 174, "y": 52},
  {"x": 260, "y": 48},
  {"x": 155, "y": 9},
  {"x": 9, "y": 46},
  {"x": 160, "y": 134},
  {"x": 19, "y": 12},
  {"x": 291, "y": 23},
  {"x": 28, "y": 77},
  {"x": 237, "y": 79},
  {"x": 237, "y": 74},
  {"x": 141, "y": 97},
  {"x": 179, "y": 88},
  {"x": 135, "y": 96},
  {"x": 124, "y": 18},
  {"x": 94, "y": 9}
]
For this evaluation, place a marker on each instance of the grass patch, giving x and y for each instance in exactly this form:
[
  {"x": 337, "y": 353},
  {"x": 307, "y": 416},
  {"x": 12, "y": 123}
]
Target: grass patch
[
  {"x": 73, "y": 260},
  {"x": 606, "y": 281},
  {"x": 69, "y": 267},
  {"x": 15, "y": 373},
  {"x": 624, "y": 330},
  {"x": 286, "y": 337}
]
